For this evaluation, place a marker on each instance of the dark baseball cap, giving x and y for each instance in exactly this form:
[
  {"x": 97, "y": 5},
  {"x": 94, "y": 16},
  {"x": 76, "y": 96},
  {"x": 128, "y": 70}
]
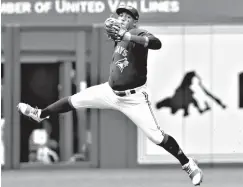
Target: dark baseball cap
[{"x": 129, "y": 9}]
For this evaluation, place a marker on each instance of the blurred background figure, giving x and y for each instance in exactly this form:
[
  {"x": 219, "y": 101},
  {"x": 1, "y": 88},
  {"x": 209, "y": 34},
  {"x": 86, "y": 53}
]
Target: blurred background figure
[{"x": 41, "y": 147}]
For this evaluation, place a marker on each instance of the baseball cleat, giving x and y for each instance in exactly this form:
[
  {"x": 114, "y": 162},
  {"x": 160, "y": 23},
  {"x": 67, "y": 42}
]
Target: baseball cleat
[
  {"x": 32, "y": 113},
  {"x": 194, "y": 172}
]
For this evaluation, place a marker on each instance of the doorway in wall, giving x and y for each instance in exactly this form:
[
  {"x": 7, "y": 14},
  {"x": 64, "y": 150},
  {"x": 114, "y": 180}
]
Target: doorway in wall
[{"x": 39, "y": 87}]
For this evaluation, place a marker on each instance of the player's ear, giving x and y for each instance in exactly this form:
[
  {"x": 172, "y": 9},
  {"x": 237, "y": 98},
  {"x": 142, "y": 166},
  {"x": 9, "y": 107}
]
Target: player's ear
[{"x": 135, "y": 23}]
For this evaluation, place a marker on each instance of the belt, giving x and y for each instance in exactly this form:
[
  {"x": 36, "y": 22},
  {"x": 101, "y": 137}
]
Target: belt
[{"x": 124, "y": 93}]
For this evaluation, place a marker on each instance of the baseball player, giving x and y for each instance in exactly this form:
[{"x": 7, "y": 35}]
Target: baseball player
[{"x": 126, "y": 90}]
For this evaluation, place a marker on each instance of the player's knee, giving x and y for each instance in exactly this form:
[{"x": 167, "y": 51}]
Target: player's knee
[
  {"x": 157, "y": 137},
  {"x": 75, "y": 101}
]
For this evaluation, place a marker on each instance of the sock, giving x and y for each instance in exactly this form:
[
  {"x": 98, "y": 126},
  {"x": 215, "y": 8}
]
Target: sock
[
  {"x": 61, "y": 106},
  {"x": 170, "y": 145}
]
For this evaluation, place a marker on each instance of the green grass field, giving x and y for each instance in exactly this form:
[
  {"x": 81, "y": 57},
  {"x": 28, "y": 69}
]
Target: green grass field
[{"x": 220, "y": 177}]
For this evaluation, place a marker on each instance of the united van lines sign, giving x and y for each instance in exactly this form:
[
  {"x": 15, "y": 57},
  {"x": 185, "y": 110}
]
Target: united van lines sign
[
  {"x": 65, "y": 6},
  {"x": 91, "y": 11}
]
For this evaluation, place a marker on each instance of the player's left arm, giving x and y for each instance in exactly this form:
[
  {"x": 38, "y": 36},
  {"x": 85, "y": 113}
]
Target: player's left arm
[{"x": 143, "y": 38}]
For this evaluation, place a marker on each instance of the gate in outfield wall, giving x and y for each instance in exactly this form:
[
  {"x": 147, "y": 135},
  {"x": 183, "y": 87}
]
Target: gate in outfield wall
[{"x": 41, "y": 64}]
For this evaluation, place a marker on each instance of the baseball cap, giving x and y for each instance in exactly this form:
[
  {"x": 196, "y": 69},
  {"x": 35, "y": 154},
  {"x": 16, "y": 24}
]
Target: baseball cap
[{"x": 129, "y": 9}]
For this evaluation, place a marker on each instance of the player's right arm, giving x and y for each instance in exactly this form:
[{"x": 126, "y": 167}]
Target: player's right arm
[{"x": 143, "y": 38}]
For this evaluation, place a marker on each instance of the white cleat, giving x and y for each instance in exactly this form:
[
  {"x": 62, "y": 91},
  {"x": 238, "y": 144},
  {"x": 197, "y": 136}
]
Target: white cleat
[
  {"x": 194, "y": 172},
  {"x": 32, "y": 113}
]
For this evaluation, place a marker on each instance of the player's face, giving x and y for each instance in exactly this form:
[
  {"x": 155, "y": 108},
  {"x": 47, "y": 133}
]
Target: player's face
[{"x": 127, "y": 20}]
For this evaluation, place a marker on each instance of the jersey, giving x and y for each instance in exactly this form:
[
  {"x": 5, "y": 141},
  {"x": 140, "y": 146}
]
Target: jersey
[{"x": 128, "y": 68}]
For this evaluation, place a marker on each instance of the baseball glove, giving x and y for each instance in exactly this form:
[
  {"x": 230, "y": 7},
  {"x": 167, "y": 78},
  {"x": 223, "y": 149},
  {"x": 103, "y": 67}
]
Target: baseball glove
[{"x": 114, "y": 29}]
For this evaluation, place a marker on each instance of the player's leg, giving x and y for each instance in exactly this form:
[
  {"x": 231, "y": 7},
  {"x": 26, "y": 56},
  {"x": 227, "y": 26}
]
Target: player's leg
[
  {"x": 143, "y": 116},
  {"x": 93, "y": 97}
]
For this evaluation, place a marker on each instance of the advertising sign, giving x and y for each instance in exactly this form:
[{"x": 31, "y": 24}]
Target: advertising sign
[
  {"x": 196, "y": 82},
  {"x": 152, "y": 11}
]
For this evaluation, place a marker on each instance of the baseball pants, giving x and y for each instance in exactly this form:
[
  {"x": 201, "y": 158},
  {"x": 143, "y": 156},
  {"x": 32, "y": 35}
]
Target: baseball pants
[{"x": 135, "y": 106}]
